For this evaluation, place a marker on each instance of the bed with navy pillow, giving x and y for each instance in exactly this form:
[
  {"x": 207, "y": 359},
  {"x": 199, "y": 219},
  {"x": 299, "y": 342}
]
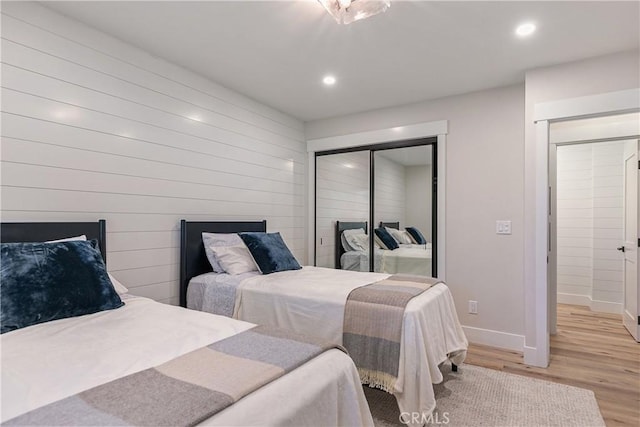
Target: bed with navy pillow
[
  {"x": 276, "y": 291},
  {"x": 70, "y": 331}
]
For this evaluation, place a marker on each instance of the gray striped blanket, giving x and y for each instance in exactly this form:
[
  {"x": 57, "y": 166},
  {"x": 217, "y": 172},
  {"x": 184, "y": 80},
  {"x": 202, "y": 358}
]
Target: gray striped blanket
[
  {"x": 373, "y": 318},
  {"x": 186, "y": 390}
]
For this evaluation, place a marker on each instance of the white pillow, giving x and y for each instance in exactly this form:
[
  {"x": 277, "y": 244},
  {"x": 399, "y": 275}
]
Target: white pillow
[
  {"x": 235, "y": 259},
  {"x": 119, "y": 287},
  {"x": 349, "y": 242},
  {"x": 359, "y": 241},
  {"x": 69, "y": 239},
  {"x": 401, "y": 236},
  {"x": 216, "y": 240}
]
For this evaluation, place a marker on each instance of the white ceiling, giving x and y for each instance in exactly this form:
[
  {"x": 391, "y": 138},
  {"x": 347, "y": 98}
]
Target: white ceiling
[{"x": 278, "y": 51}]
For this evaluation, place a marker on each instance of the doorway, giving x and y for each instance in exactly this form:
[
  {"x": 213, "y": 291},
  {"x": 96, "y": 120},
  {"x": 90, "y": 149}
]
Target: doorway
[{"x": 593, "y": 234}]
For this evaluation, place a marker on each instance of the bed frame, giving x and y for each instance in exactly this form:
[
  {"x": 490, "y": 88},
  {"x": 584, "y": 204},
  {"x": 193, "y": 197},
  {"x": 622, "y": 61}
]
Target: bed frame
[
  {"x": 12, "y": 232},
  {"x": 340, "y": 227},
  {"x": 193, "y": 260},
  {"x": 395, "y": 225}
]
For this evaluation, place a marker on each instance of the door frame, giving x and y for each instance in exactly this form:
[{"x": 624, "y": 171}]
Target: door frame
[
  {"x": 537, "y": 297},
  {"x": 437, "y": 129}
]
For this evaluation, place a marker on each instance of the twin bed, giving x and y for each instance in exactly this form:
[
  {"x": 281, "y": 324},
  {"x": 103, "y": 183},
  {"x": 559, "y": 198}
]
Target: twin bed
[
  {"x": 61, "y": 362},
  {"x": 312, "y": 300},
  {"x": 407, "y": 259}
]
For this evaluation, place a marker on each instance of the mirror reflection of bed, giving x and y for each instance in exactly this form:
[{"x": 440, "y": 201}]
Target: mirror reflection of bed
[{"x": 409, "y": 257}]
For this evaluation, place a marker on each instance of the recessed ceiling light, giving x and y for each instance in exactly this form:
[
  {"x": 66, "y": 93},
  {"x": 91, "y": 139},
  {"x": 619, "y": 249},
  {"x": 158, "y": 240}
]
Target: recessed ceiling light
[
  {"x": 329, "y": 80},
  {"x": 526, "y": 29}
]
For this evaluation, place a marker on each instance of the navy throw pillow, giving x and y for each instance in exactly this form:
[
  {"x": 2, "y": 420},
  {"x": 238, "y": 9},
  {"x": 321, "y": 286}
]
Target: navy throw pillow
[
  {"x": 416, "y": 235},
  {"x": 40, "y": 282},
  {"x": 386, "y": 238},
  {"x": 270, "y": 252}
]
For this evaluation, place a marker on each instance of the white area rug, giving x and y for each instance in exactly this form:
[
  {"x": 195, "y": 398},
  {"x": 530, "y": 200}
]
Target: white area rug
[{"x": 476, "y": 396}]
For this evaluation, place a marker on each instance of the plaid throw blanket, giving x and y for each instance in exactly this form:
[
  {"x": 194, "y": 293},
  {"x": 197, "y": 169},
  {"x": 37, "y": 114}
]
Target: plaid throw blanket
[
  {"x": 373, "y": 317},
  {"x": 186, "y": 390}
]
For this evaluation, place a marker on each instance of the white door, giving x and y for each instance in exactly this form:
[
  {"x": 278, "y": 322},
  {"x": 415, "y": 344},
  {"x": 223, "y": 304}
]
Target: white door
[{"x": 630, "y": 245}]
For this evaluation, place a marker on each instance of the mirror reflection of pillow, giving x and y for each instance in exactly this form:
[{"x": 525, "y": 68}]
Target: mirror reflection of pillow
[
  {"x": 387, "y": 241},
  {"x": 416, "y": 235},
  {"x": 401, "y": 236},
  {"x": 356, "y": 239},
  {"x": 349, "y": 241}
]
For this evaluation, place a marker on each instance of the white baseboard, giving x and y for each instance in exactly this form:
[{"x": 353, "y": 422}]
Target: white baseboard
[
  {"x": 533, "y": 358},
  {"x": 595, "y": 305},
  {"x": 494, "y": 338}
]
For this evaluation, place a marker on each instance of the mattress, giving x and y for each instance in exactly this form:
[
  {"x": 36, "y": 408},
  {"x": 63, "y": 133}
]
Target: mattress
[
  {"x": 47, "y": 362},
  {"x": 301, "y": 300}
]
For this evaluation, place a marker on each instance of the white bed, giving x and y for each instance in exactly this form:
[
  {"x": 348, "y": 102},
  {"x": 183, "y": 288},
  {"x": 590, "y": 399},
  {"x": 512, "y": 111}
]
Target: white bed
[
  {"x": 312, "y": 300},
  {"x": 50, "y": 361}
]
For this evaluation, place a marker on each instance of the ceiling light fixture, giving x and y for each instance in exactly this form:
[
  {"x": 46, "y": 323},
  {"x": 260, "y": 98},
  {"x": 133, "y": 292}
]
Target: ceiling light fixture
[
  {"x": 348, "y": 11},
  {"x": 329, "y": 80},
  {"x": 525, "y": 30}
]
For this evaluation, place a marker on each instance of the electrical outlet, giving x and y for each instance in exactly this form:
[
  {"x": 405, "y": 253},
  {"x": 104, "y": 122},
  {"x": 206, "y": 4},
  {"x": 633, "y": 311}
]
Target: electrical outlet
[
  {"x": 473, "y": 307},
  {"x": 503, "y": 227}
]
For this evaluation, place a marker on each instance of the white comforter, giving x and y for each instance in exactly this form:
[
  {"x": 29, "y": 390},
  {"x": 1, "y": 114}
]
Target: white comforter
[
  {"x": 47, "y": 362},
  {"x": 312, "y": 301}
]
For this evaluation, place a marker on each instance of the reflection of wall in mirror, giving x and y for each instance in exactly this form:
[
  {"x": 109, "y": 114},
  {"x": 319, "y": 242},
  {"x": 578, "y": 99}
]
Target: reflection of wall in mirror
[
  {"x": 418, "y": 194},
  {"x": 342, "y": 194},
  {"x": 390, "y": 198}
]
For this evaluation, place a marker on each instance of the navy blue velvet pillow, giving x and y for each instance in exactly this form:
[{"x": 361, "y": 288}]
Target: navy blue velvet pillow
[
  {"x": 40, "y": 282},
  {"x": 386, "y": 238},
  {"x": 417, "y": 235},
  {"x": 270, "y": 252}
]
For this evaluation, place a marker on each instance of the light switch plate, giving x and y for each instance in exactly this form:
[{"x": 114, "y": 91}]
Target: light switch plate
[{"x": 503, "y": 227}]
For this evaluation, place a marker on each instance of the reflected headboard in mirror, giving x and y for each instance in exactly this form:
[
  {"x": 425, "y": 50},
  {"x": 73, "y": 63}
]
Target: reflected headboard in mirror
[
  {"x": 11, "y": 232},
  {"x": 193, "y": 260},
  {"x": 395, "y": 225},
  {"x": 340, "y": 227}
]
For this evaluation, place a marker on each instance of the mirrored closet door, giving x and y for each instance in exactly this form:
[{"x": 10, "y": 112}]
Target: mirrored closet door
[
  {"x": 342, "y": 196},
  {"x": 385, "y": 191},
  {"x": 403, "y": 206}
]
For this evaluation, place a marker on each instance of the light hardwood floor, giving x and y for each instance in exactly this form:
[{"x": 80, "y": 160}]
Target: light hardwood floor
[{"x": 591, "y": 350}]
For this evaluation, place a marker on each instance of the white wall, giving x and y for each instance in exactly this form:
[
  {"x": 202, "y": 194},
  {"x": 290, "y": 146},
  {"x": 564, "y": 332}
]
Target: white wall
[
  {"x": 418, "y": 214},
  {"x": 593, "y": 76},
  {"x": 390, "y": 191},
  {"x": 342, "y": 194},
  {"x": 484, "y": 183},
  {"x": 95, "y": 128}
]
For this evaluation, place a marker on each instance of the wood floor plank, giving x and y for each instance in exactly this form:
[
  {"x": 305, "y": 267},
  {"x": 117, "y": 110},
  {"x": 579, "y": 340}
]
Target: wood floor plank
[{"x": 591, "y": 350}]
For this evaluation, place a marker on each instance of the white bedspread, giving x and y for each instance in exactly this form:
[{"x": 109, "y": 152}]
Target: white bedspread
[
  {"x": 50, "y": 361},
  {"x": 312, "y": 301}
]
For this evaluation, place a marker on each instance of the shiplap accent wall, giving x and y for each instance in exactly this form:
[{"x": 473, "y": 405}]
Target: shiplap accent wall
[
  {"x": 590, "y": 185},
  {"x": 342, "y": 194},
  {"x": 390, "y": 190},
  {"x": 95, "y": 128}
]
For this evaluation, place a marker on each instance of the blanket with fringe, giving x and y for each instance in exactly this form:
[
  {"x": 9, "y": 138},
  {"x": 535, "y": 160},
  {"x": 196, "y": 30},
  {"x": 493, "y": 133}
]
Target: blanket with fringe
[
  {"x": 186, "y": 390},
  {"x": 373, "y": 318}
]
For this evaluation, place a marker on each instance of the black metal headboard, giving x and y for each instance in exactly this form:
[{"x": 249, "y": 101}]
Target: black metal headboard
[
  {"x": 11, "y": 232},
  {"x": 193, "y": 260},
  {"x": 395, "y": 225},
  {"x": 340, "y": 227}
]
